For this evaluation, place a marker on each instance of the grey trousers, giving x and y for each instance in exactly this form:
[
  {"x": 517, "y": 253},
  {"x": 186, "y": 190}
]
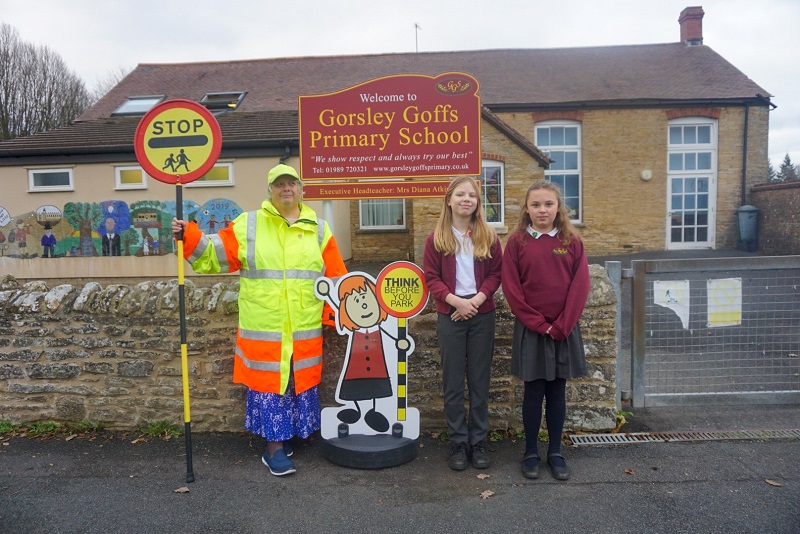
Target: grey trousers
[{"x": 466, "y": 348}]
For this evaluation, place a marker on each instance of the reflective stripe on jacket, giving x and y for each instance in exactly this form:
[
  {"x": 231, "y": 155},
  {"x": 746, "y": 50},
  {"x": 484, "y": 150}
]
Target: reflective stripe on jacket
[{"x": 280, "y": 318}]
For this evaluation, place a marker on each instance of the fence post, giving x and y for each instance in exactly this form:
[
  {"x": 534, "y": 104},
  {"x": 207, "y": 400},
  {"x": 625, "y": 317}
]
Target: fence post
[{"x": 614, "y": 272}]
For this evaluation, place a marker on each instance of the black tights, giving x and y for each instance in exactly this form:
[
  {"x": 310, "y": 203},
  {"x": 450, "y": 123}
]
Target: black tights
[{"x": 555, "y": 391}]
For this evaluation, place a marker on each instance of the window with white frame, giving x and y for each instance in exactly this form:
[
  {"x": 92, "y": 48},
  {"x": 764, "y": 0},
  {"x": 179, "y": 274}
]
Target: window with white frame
[
  {"x": 691, "y": 176},
  {"x": 382, "y": 214},
  {"x": 492, "y": 186},
  {"x": 130, "y": 177},
  {"x": 137, "y": 105},
  {"x": 221, "y": 102},
  {"x": 561, "y": 142},
  {"x": 45, "y": 180},
  {"x": 220, "y": 175}
]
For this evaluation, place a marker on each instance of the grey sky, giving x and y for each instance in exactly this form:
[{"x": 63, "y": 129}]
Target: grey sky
[{"x": 97, "y": 38}]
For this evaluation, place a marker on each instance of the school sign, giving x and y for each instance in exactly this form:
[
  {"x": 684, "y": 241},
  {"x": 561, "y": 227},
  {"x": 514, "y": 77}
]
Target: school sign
[{"x": 401, "y": 126}]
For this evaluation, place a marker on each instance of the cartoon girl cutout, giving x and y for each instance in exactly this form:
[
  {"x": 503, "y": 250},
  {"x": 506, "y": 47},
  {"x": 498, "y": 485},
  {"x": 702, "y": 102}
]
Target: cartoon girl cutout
[{"x": 365, "y": 374}]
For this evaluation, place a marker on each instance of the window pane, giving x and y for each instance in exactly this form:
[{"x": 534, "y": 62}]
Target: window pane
[
  {"x": 702, "y": 234},
  {"x": 689, "y": 183},
  {"x": 216, "y": 174},
  {"x": 702, "y": 185},
  {"x": 676, "y": 235},
  {"x": 137, "y": 105},
  {"x": 570, "y": 160},
  {"x": 688, "y": 218},
  {"x": 491, "y": 176},
  {"x": 702, "y": 202},
  {"x": 675, "y": 136},
  {"x": 543, "y": 136},
  {"x": 574, "y": 206},
  {"x": 689, "y": 202},
  {"x": 130, "y": 176},
  {"x": 690, "y": 161},
  {"x": 558, "y": 160},
  {"x": 382, "y": 212},
  {"x": 677, "y": 185},
  {"x": 704, "y": 134},
  {"x": 690, "y": 135},
  {"x": 702, "y": 218},
  {"x": 557, "y": 135},
  {"x": 704, "y": 161},
  {"x": 571, "y": 136},
  {"x": 676, "y": 162},
  {"x": 677, "y": 202},
  {"x": 50, "y": 179},
  {"x": 571, "y": 185},
  {"x": 558, "y": 180}
]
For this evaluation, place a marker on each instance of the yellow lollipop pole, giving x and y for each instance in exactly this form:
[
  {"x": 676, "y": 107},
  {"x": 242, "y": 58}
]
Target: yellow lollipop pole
[{"x": 187, "y": 419}]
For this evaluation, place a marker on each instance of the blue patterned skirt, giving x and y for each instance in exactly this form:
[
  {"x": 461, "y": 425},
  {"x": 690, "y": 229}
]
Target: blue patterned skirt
[{"x": 281, "y": 417}]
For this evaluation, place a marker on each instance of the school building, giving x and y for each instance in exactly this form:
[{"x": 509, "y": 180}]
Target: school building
[{"x": 655, "y": 147}]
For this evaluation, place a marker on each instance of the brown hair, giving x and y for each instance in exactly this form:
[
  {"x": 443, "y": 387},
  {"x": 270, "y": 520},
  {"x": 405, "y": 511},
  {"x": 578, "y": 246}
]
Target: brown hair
[
  {"x": 347, "y": 286},
  {"x": 483, "y": 236},
  {"x": 566, "y": 230}
]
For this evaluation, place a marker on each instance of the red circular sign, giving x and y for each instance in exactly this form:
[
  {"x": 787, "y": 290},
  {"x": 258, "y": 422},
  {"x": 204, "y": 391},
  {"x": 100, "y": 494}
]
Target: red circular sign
[
  {"x": 178, "y": 141},
  {"x": 401, "y": 289}
]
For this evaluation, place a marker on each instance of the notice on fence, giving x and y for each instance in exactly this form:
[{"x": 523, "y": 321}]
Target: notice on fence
[
  {"x": 673, "y": 294},
  {"x": 724, "y": 302}
]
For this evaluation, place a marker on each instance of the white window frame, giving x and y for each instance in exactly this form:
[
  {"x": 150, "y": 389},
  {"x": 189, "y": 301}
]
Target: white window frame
[
  {"x": 216, "y": 183},
  {"x": 501, "y": 189},
  {"x": 222, "y": 102},
  {"x": 33, "y": 188},
  {"x": 131, "y": 102},
  {"x": 695, "y": 148},
  {"x": 120, "y": 185},
  {"x": 362, "y": 205},
  {"x": 577, "y": 148}
]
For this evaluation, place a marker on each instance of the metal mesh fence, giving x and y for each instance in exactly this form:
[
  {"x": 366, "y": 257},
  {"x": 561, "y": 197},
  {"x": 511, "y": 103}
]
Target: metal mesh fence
[{"x": 756, "y": 350}]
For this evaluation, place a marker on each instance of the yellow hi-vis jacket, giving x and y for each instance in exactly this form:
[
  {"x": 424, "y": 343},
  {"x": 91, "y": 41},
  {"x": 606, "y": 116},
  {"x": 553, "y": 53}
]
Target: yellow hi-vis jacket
[{"x": 280, "y": 318}]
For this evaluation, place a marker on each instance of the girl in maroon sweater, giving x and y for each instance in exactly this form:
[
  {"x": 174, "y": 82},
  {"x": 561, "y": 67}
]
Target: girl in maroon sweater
[
  {"x": 462, "y": 264},
  {"x": 546, "y": 284}
]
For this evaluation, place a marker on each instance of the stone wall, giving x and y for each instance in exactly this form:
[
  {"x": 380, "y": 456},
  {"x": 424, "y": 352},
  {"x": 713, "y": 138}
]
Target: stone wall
[
  {"x": 111, "y": 355},
  {"x": 778, "y": 217}
]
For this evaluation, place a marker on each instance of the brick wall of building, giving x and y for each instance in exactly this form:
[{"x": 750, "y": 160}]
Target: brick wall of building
[
  {"x": 778, "y": 217},
  {"x": 623, "y": 212}
]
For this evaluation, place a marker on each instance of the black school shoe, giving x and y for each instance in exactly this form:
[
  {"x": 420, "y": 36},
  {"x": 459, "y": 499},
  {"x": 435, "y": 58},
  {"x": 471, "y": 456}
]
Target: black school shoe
[
  {"x": 530, "y": 465},
  {"x": 480, "y": 458},
  {"x": 458, "y": 457},
  {"x": 559, "y": 472}
]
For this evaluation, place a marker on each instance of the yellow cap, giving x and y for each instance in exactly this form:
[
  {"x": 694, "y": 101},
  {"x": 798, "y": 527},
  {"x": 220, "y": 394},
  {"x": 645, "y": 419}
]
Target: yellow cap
[{"x": 282, "y": 170}]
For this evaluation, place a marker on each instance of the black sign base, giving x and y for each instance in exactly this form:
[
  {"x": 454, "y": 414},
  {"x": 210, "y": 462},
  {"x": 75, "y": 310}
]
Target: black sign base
[{"x": 370, "y": 452}]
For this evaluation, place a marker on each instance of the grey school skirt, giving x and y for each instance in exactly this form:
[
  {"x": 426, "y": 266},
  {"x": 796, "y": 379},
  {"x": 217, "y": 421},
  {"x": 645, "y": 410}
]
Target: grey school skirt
[{"x": 536, "y": 357}]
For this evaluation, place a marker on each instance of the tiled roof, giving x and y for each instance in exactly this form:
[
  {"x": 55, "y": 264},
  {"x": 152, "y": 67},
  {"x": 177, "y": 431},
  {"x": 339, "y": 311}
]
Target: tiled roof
[
  {"x": 116, "y": 134},
  {"x": 640, "y": 75},
  {"x": 656, "y": 72}
]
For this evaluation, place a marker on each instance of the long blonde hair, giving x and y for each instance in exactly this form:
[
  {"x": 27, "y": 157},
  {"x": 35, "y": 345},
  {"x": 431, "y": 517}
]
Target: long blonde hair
[
  {"x": 483, "y": 236},
  {"x": 566, "y": 230}
]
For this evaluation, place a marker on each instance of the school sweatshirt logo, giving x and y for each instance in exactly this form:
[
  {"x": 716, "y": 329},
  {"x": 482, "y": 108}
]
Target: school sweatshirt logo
[{"x": 560, "y": 251}]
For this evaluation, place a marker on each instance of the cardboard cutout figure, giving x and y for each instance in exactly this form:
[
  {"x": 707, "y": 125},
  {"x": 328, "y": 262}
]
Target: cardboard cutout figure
[{"x": 372, "y": 384}]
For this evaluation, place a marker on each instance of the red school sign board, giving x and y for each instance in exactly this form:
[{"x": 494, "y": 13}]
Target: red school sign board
[{"x": 398, "y": 126}]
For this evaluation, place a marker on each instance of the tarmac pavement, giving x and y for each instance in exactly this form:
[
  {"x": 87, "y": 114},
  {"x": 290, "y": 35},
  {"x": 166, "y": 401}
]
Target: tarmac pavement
[{"x": 118, "y": 483}]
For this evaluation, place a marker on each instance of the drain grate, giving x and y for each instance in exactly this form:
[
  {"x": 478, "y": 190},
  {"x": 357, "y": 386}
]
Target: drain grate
[{"x": 663, "y": 437}]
